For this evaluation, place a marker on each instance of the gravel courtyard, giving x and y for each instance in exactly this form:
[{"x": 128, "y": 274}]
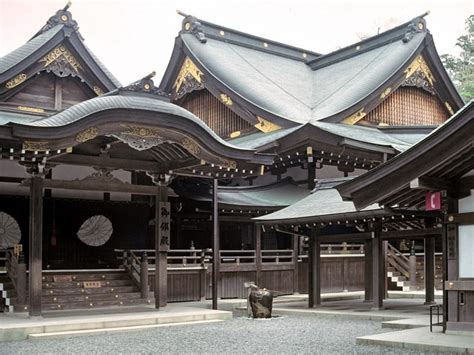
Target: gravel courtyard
[{"x": 292, "y": 333}]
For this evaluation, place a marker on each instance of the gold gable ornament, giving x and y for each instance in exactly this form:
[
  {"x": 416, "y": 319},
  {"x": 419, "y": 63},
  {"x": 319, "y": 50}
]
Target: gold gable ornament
[
  {"x": 266, "y": 126},
  {"x": 187, "y": 69},
  {"x": 419, "y": 64}
]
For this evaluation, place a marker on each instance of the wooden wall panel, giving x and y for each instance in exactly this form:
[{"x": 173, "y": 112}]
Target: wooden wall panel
[
  {"x": 231, "y": 284},
  {"x": 281, "y": 281},
  {"x": 214, "y": 113},
  {"x": 39, "y": 92},
  {"x": 409, "y": 106},
  {"x": 337, "y": 274},
  {"x": 73, "y": 92}
]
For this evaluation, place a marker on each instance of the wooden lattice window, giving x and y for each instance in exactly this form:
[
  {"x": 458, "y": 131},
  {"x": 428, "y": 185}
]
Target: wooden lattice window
[{"x": 409, "y": 106}]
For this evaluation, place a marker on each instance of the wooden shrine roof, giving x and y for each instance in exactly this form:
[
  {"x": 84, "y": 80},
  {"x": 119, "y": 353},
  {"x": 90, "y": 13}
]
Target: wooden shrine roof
[
  {"x": 287, "y": 86},
  {"x": 134, "y": 128},
  {"x": 439, "y": 160},
  {"x": 59, "y": 38}
]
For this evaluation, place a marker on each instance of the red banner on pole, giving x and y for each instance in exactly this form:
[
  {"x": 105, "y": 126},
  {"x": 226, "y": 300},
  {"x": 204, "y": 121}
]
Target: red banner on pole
[{"x": 433, "y": 201}]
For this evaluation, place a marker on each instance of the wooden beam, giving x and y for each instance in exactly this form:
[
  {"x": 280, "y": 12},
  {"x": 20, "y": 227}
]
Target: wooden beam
[
  {"x": 106, "y": 162},
  {"x": 431, "y": 184},
  {"x": 36, "y": 246},
  {"x": 460, "y": 218},
  {"x": 215, "y": 244},
  {"x": 412, "y": 233},
  {"x": 91, "y": 185}
]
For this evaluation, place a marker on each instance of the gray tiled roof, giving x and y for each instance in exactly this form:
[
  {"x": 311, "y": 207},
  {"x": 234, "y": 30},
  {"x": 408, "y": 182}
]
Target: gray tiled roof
[
  {"x": 323, "y": 202},
  {"x": 23, "y": 52},
  {"x": 279, "y": 194},
  {"x": 289, "y": 88}
]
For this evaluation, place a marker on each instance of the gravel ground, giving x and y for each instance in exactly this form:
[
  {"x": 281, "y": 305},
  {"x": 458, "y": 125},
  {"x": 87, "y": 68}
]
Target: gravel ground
[{"x": 292, "y": 333}]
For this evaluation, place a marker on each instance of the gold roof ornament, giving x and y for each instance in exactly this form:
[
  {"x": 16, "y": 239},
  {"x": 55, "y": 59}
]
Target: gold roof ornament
[
  {"x": 356, "y": 117},
  {"x": 61, "y": 53},
  {"x": 87, "y": 134},
  {"x": 226, "y": 100},
  {"x": 266, "y": 126}
]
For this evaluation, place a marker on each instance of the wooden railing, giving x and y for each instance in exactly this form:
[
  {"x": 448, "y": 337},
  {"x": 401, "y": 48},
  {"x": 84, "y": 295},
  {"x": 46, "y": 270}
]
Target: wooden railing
[
  {"x": 398, "y": 261},
  {"x": 3, "y": 259},
  {"x": 238, "y": 257},
  {"x": 342, "y": 248},
  {"x": 277, "y": 256}
]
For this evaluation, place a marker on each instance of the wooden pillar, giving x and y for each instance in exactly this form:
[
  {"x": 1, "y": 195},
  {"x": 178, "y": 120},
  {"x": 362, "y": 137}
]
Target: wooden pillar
[
  {"x": 314, "y": 272},
  {"x": 258, "y": 254},
  {"x": 378, "y": 269},
  {"x": 162, "y": 243},
  {"x": 368, "y": 271},
  {"x": 144, "y": 288},
  {"x": 215, "y": 244},
  {"x": 429, "y": 270},
  {"x": 296, "y": 244},
  {"x": 36, "y": 246}
]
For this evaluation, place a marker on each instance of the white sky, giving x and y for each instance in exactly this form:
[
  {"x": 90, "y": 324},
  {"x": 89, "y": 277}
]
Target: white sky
[{"x": 134, "y": 37}]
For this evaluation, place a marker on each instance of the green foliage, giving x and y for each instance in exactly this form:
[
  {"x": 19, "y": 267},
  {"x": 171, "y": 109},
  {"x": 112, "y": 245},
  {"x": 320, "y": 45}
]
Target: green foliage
[{"x": 461, "y": 68}]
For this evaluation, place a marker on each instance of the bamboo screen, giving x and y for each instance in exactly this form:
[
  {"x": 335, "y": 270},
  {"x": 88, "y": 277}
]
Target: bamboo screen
[
  {"x": 214, "y": 113},
  {"x": 409, "y": 106}
]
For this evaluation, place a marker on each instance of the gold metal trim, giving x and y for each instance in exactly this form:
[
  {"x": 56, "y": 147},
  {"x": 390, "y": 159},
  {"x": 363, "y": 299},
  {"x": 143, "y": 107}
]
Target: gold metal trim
[
  {"x": 188, "y": 68},
  {"x": 356, "y": 117},
  {"x": 448, "y": 106},
  {"x": 86, "y": 135},
  {"x": 98, "y": 91},
  {"x": 235, "y": 134},
  {"x": 266, "y": 126},
  {"x": 419, "y": 64},
  {"x": 226, "y": 100},
  {"x": 385, "y": 93},
  {"x": 17, "y": 80},
  {"x": 30, "y": 109},
  {"x": 35, "y": 146}
]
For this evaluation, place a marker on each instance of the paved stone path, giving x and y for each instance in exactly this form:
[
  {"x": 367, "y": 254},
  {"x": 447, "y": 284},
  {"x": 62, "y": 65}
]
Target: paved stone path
[{"x": 290, "y": 333}]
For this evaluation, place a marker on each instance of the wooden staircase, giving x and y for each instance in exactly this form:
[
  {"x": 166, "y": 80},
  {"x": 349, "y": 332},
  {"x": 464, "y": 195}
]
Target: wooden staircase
[
  {"x": 398, "y": 271},
  {"x": 90, "y": 289},
  {"x": 84, "y": 290}
]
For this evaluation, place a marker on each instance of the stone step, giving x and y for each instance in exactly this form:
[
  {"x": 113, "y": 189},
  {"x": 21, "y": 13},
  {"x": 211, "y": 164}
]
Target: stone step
[
  {"x": 90, "y": 298},
  {"x": 102, "y": 331},
  {"x": 88, "y": 291},
  {"x": 96, "y": 304}
]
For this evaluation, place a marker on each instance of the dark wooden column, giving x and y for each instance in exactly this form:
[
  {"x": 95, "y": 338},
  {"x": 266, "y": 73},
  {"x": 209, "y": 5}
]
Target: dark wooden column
[
  {"x": 296, "y": 248},
  {"x": 429, "y": 270},
  {"x": 215, "y": 244},
  {"x": 378, "y": 269},
  {"x": 161, "y": 252},
  {"x": 36, "y": 246},
  {"x": 368, "y": 271},
  {"x": 314, "y": 272},
  {"x": 258, "y": 253}
]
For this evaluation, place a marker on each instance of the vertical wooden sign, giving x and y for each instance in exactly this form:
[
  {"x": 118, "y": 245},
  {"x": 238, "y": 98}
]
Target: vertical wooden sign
[{"x": 164, "y": 225}]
